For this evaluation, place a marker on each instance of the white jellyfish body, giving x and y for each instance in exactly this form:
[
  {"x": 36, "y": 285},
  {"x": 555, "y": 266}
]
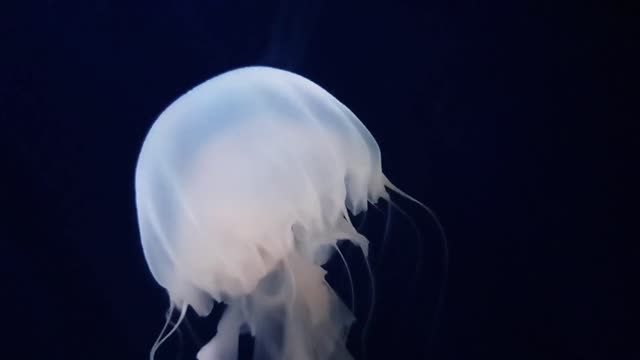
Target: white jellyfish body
[{"x": 243, "y": 187}]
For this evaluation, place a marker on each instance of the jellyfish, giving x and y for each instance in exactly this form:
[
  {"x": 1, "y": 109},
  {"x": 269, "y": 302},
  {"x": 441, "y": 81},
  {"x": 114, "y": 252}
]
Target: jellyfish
[{"x": 244, "y": 185}]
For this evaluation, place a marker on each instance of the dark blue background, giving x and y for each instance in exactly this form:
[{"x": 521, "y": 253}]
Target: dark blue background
[{"x": 509, "y": 119}]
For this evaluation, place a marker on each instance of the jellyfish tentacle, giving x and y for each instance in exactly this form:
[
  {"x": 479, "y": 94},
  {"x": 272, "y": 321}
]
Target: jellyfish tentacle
[
  {"x": 346, "y": 266},
  {"x": 367, "y": 322},
  {"x": 164, "y": 328},
  {"x": 445, "y": 254},
  {"x": 156, "y": 346}
]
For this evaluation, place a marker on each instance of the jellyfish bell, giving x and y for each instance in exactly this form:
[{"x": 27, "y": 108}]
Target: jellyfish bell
[{"x": 243, "y": 187}]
